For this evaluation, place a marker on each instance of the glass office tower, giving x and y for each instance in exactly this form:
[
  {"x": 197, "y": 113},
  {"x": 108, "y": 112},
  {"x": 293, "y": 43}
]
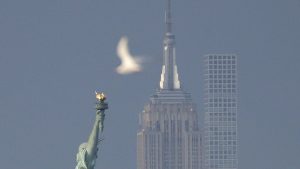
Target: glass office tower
[{"x": 220, "y": 119}]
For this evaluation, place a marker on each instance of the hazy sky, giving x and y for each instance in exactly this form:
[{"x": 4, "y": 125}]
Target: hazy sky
[{"x": 55, "y": 53}]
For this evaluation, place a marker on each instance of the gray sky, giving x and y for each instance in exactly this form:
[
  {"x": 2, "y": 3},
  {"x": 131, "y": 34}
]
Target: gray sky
[{"x": 55, "y": 53}]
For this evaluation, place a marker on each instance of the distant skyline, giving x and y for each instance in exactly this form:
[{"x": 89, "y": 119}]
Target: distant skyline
[{"x": 55, "y": 54}]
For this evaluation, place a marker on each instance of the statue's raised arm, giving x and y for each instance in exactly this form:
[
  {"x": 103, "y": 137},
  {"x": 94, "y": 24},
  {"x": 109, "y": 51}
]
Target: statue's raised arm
[{"x": 87, "y": 152}]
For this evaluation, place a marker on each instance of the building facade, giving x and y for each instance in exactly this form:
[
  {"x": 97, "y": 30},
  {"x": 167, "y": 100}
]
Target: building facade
[
  {"x": 220, "y": 119},
  {"x": 169, "y": 136}
]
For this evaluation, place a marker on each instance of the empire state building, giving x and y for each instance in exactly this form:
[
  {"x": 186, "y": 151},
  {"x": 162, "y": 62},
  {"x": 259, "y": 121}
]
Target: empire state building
[{"x": 169, "y": 136}]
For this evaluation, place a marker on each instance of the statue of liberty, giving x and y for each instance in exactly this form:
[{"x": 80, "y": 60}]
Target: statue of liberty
[{"x": 87, "y": 152}]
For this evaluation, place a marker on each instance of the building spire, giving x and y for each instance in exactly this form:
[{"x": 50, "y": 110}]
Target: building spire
[
  {"x": 169, "y": 76},
  {"x": 168, "y": 17}
]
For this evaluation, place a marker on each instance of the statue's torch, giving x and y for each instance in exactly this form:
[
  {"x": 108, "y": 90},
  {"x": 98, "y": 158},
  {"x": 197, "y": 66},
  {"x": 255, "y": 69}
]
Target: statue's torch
[{"x": 101, "y": 106}]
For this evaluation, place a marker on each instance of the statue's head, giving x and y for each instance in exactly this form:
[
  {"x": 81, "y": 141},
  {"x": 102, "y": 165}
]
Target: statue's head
[{"x": 82, "y": 146}]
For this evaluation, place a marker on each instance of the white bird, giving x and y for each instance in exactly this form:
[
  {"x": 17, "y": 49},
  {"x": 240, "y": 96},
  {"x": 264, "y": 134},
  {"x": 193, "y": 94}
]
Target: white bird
[{"x": 129, "y": 64}]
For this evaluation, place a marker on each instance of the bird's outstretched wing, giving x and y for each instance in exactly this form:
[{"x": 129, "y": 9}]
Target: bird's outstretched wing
[{"x": 129, "y": 63}]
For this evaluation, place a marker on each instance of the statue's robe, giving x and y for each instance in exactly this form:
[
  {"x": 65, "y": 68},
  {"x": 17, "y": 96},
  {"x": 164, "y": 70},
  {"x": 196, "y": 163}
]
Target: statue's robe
[{"x": 81, "y": 159}]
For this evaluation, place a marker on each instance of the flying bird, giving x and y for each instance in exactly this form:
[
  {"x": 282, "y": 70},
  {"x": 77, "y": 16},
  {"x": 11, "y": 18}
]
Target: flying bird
[{"x": 129, "y": 64}]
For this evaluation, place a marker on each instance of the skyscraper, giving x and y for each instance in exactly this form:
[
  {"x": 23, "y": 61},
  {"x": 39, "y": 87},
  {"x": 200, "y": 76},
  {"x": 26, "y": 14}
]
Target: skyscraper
[
  {"x": 220, "y": 119},
  {"x": 169, "y": 136}
]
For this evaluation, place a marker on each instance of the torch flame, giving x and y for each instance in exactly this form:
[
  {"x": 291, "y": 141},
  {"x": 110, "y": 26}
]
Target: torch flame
[{"x": 100, "y": 96}]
